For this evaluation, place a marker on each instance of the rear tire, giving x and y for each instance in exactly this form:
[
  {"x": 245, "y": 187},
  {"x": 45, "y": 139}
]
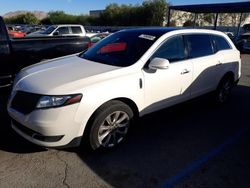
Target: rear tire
[
  {"x": 109, "y": 126},
  {"x": 223, "y": 91}
]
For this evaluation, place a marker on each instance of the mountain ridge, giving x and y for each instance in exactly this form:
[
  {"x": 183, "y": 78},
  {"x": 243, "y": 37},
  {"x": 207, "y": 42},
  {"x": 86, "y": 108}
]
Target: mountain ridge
[{"x": 39, "y": 14}]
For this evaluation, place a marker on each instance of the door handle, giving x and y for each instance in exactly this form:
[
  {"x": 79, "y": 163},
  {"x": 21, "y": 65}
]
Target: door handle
[{"x": 185, "y": 71}]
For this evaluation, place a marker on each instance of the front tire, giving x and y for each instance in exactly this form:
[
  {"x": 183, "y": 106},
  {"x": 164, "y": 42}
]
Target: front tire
[{"x": 110, "y": 125}]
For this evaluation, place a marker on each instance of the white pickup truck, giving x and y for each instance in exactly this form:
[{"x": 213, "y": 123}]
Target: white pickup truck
[{"x": 61, "y": 30}]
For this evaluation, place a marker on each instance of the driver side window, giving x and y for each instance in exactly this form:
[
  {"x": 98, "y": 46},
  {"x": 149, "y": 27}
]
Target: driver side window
[{"x": 173, "y": 50}]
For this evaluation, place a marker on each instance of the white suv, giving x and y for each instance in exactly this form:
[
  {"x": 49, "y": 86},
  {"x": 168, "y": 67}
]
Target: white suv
[{"x": 95, "y": 95}]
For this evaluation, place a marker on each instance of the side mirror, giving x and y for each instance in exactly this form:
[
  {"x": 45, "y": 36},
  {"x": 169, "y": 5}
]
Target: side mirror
[
  {"x": 56, "y": 33},
  {"x": 159, "y": 63}
]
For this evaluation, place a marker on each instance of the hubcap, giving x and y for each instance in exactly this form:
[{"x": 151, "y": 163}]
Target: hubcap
[
  {"x": 225, "y": 91},
  {"x": 113, "y": 129}
]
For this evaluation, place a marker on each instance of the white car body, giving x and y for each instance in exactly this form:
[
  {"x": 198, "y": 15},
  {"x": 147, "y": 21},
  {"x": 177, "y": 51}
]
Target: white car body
[
  {"x": 81, "y": 31},
  {"x": 100, "y": 83}
]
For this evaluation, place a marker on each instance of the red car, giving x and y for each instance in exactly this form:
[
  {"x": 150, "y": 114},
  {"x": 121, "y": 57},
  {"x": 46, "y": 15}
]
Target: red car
[{"x": 14, "y": 33}]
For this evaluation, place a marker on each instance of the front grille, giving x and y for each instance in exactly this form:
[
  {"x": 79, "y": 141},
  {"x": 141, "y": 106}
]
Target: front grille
[{"x": 25, "y": 102}]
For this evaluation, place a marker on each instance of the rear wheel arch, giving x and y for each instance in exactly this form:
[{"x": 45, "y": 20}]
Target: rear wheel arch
[
  {"x": 228, "y": 75},
  {"x": 223, "y": 90}
]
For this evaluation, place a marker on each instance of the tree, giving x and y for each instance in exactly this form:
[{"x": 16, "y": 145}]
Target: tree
[
  {"x": 59, "y": 17},
  {"x": 27, "y": 18},
  {"x": 156, "y": 11},
  {"x": 150, "y": 13}
]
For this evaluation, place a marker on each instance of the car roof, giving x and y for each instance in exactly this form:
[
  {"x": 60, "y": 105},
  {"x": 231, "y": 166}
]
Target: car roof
[
  {"x": 151, "y": 30},
  {"x": 159, "y": 31},
  {"x": 67, "y": 25}
]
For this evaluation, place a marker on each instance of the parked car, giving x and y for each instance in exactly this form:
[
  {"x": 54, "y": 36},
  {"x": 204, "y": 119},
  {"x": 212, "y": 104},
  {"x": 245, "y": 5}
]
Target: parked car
[
  {"x": 62, "y": 30},
  {"x": 32, "y": 29},
  {"x": 97, "y": 37},
  {"x": 243, "y": 43},
  {"x": 246, "y": 28},
  {"x": 14, "y": 33},
  {"x": 96, "y": 95},
  {"x": 18, "y": 53}
]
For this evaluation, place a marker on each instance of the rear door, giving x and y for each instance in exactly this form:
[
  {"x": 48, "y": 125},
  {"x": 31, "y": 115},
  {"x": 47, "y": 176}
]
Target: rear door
[
  {"x": 165, "y": 87},
  {"x": 225, "y": 55},
  {"x": 201, "y": 53}
]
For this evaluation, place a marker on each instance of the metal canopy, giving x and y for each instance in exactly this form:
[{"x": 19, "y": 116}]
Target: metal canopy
[{"x": 239, "y": 7}]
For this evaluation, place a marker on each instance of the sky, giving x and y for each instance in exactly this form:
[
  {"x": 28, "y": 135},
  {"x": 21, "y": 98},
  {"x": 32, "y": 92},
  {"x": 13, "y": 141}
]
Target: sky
[{"x": 81, "y": 6}]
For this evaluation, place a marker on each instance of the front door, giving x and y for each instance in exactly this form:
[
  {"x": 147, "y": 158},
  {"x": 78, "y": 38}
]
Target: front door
[{"x": 165, "y": 87}]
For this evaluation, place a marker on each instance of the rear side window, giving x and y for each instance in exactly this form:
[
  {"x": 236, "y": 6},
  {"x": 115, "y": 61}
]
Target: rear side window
[
  {"x": 199, "y": 45},
  {"x": 63, "y": 30},
  {"x": 172, "y": 50},
  {"x": 76, "y": 30},
  {"x": 220, "y": 43}
]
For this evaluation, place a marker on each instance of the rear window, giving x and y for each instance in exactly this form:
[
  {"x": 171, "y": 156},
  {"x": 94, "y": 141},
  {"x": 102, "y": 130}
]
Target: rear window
[
  {"x": 120, "y": 49},
  {"x": 220, "y": 43},
  {"x": 76, "y": 30},
  {"x": 199, "y": 45}
]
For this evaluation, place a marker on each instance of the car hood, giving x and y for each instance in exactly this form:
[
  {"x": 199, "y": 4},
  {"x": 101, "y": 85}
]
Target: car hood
[{"x": 61, "y": 75}]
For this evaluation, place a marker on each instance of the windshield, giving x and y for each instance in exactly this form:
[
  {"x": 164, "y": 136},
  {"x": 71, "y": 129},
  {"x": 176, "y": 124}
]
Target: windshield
[
  {"x": 120, "y": 49},
  {"x": 49, "y": 30}
]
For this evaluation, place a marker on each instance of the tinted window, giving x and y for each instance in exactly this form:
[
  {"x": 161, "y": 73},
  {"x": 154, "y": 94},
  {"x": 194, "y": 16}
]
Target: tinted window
[
  {"x": 220, "y": 43},
  {"x": 121, "y": 48},
  {"x": 199, "y": 45},
  {"x": 63, "y": 30},
  {"x": 172, "y": 49},
  {"x": 76, "y": 30}
]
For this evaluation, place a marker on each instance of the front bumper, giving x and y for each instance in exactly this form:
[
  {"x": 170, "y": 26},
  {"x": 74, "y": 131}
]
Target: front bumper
[{"x": 55, "y": 127}]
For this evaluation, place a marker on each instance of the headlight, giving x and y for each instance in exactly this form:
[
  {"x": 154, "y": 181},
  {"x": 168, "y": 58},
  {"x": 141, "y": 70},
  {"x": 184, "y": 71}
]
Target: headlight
[{"x": 57, "y": 101}]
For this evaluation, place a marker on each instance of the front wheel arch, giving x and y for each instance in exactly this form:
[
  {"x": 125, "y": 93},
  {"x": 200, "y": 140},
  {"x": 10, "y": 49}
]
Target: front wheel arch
[{"x": 87, "y": 130}]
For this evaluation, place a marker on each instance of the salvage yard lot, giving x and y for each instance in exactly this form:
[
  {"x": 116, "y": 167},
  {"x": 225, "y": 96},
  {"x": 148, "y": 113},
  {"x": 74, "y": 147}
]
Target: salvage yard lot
[{"x": 196, "y": 144}]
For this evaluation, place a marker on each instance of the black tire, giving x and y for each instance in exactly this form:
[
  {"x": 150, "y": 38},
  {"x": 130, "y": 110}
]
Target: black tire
[
  {"x": 116, "y": 131},
  {"x": 223, "y": 91}
]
